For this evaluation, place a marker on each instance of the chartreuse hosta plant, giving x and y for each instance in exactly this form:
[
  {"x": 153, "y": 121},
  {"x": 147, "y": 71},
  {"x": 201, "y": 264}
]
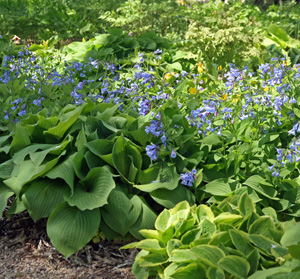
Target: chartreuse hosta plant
[{"x": 230, "y": 239}]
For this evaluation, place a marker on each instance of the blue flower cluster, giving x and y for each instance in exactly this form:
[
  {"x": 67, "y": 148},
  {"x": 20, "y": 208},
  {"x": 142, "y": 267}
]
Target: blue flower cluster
[{"x": 188, "y": 178}]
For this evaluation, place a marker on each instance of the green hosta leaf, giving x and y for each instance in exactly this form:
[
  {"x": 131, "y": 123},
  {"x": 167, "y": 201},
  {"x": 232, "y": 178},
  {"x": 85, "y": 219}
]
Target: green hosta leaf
[
  {"x": 191, "y": 235},
  {"x": 263, "y": 242},
  {"x": 253, "y": 260},
  {"x": 227, "y": 218},
  {"x": 20, "y": 156},
  {"x": 169, "y": 198},
  {"x": 215, "y": 273},
  {"x": 42, "y": 196},
  {"x": 246, "y": 205},
  {"x": 207, "y": 227},
  {"x": 241, "y": 241},
  {"x": 93, "y": 191},
  {"x": 121, "y": 212},
  {"x": 172, "y": 245},
  {"x": 286, "y": 275},
  {"x": 6, "y": 169},
  {"x": 16, "y": 207},
  {"x": 268, "y": 273},
  {"x": 162, "y": 221},
  {"x": 5, "y": 193},
  {"x": 69, "y": 228},
  {"x": 146, "y": 218},
  {"x": 149, "y": 245},
  {"x": 67, "y": 120},
  {"x": 220, "y": 187},
  {"x": 291, "y": 236},
  {"x": 123, "y": 154},
  {"x": 20, "y": 140},
  {"x": 255, "y": 182},
  {"x": 38, "y": 157},
  {"x": 191, "y": 271},
  {"x": 167, "y": 178},
  {"x": 204, "y": 212},
  {"x": 261, "y": 226},
  {"x": 152, "y": 259},
  {"x": 27, "y": 172},
  {"x": 235, "y": 265},
  {"x": 207, "y": 254},
  {"x": 65, "y": 171}
]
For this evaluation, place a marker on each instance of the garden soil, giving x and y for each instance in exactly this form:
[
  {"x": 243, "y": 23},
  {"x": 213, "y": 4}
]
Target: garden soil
[{"x": 26, "y": 252}]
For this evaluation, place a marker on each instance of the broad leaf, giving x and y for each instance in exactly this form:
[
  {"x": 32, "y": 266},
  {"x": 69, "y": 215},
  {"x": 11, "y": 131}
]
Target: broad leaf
[
  {"x": 93, "y": 191},
  {"x": 70, "y": 229}
]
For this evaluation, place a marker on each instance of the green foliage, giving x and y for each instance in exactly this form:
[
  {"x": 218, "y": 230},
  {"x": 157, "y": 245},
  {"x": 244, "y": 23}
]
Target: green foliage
[{"x": 218, "y": 242}]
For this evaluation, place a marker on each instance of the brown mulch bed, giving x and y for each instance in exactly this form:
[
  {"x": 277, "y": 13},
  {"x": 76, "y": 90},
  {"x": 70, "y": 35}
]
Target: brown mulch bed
[{"x": 26, "y": 252}]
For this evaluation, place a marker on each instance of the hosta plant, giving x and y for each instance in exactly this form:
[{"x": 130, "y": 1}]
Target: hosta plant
[{"x": 229, "y": 239}]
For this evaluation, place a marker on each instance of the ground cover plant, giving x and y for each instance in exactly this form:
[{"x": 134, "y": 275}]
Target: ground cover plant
[{"x": 129, "y": 137}]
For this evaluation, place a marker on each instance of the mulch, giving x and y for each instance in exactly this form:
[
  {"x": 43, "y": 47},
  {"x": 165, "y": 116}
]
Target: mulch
[{"x": 26, "y": 252}]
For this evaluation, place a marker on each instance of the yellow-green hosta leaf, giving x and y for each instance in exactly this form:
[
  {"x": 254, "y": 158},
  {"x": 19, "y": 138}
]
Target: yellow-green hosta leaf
[
  {"x": 246, "y": 205},
  {"x": 235, "y": 265},
  {"x": 227, "y": 218},
  {"x": 241, "y": 241},
  {"x": 215, "y": 273},
  {"x": 162, "y": 220},
  {"x": 70, "y": 229},
  {"x": 203, "y": 212},
  {"x": 191, "y": 271}
]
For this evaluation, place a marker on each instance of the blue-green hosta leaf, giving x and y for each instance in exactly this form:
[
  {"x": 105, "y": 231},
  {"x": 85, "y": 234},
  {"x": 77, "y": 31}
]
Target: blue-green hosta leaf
[
  {"x": 121, "y": 212},
  {"x": 42, "y": 196},
  {"x": 65, "y": 171},
  {"x": 93, "y": 191},
  {"x": 69, "y": 228},
  {"x": 66, "y": 121},
  {"x": 20, "y": 156},
  {"x": 102, "y": 148},
  {"x": 28, "y": 171},
  {"x": 167, "y": 178},
  {"x": 20, "y": 140},
  {"x": 6, "y": 169},
  {"x": 38, "y": 157},
  {"x": 123, "y": 154},
  {"x": 146, "y": 218},
  {"x": 5, "y": 193},
  {"x": 237, "y": 266},
  {"x": 169, "y": 198}
]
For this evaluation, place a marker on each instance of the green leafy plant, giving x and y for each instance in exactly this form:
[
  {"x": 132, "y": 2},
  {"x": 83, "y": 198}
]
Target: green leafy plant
[{"x": 229, "y": 239}]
